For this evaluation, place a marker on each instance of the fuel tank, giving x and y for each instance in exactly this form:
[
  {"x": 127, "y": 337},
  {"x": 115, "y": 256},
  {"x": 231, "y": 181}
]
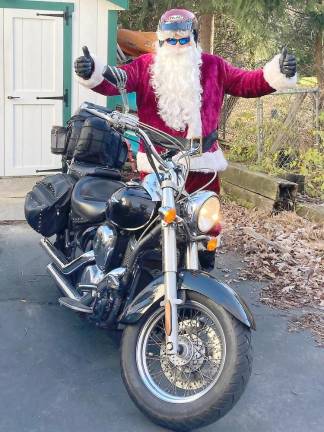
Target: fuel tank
[{"x": 131, "y": 208}]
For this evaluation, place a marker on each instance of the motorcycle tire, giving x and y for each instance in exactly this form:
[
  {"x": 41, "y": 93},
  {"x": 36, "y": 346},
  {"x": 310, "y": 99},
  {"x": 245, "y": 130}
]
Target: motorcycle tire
[{"x": 185, "y": 413}]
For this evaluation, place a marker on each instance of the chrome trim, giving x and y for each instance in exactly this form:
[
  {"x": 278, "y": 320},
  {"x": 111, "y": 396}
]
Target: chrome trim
[
  {"x": 193, "y": 205},
  {"x": 170, "y": 262},
  {"x": 87, "y": 287},
  {"x": 114, "y": 277},
  {"x": 92, "y": 276},
  {"x": 192, "y": 262},
  {"x": 63, "y": 283},
  {"x": 170, "y": 267},
  {"x": 75, "y": 305},
  {"x": 64, "y": 266},
  {"x": 103, "y": 245},
  {"x": 152, "y": 186}
]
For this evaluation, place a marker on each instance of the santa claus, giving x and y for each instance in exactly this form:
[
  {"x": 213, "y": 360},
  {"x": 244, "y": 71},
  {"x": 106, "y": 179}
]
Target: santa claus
[{"x": 180, "y": 90}]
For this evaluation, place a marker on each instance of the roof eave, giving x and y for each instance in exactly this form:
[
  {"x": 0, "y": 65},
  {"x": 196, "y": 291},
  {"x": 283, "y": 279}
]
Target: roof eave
[{"x": 123, "y": 4}]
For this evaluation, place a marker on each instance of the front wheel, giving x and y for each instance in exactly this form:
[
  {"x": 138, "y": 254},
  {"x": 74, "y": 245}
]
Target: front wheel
[{"x": 196, "y": 388}]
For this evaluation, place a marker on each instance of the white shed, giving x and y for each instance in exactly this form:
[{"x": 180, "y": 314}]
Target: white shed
[{"x": 38, "y": 42}]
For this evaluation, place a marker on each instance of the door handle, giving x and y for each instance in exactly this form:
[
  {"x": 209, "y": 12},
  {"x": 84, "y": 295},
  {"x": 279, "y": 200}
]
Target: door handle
[
  {"x": 13, "y": 97},
  {"x": 63, "y": 98}
]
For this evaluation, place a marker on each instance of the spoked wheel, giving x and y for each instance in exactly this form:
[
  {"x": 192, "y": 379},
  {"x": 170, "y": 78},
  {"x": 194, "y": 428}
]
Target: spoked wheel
[
  {"x": 187, "y": 376},
  {"x": 203, "y": 382}
]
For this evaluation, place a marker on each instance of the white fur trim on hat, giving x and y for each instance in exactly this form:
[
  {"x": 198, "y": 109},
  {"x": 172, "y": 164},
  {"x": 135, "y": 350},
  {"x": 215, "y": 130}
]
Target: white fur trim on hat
[
  {"x": 275, "y": 78},
  {"x": 96, "y": 77},
  {"x": 209, "y": 161}
]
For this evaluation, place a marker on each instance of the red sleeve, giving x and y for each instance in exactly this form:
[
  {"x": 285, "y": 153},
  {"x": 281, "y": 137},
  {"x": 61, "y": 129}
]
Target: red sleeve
[
  {"x": 133, "y": 73},
  {"x": 243, "y": 83}
]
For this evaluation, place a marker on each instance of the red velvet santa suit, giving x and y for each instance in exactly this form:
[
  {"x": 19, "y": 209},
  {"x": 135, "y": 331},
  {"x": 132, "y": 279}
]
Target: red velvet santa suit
[{"x": 217, "y": 78}]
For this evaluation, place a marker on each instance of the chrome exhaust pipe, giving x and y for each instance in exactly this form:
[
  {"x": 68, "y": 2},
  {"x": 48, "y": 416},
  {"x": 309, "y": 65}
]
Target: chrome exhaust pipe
[
  {"x": 63, "y": 283},
  {"x": 61, "y": 262}
]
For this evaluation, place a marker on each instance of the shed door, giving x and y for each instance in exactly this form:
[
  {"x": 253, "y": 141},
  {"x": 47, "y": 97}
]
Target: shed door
[{"x": 33, "y": 59}]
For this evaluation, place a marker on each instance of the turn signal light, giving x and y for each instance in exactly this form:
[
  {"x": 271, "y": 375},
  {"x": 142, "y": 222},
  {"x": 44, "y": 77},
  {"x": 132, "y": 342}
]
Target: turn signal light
[
  {"x": 212, "y": 244},
  {"x": 169, "y": 215}
]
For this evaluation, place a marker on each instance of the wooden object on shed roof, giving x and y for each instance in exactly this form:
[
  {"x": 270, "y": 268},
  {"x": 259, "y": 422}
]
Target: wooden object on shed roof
[{"x": 136, "y": 43}]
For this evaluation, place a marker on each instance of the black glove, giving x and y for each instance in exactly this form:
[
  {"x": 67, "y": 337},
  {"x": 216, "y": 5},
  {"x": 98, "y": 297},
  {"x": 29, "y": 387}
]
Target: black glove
[
  {"x": 288, "y": 63},
  {"x": 84, "y": 65}
]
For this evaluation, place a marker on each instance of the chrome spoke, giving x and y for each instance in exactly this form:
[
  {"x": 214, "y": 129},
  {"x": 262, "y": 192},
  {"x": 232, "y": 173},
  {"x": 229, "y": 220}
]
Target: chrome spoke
[{"x": 189, "y": 375}]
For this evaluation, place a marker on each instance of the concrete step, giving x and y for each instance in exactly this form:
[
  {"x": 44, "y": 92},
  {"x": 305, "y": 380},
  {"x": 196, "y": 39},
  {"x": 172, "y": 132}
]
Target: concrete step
[
  {"x": 12, "y": 196},
  {"x": 17, "y": 187}
]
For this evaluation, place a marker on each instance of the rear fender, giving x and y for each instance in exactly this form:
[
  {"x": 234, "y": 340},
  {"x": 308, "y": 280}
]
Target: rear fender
[{"x": 200, "y": 282}]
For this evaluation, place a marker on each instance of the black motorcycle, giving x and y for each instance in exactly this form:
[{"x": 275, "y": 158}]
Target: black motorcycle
[{"x": 127, "y": 256}]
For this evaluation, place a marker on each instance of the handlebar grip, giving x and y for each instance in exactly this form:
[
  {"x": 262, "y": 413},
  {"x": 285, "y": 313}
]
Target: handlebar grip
[
  {"x": 109, "y": 76},
  {"x": 106, "y": 73},
  {"x": 86, "y": 52}
]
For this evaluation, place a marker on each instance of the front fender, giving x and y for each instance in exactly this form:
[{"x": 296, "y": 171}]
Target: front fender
[{"x": 191, "y": 280}]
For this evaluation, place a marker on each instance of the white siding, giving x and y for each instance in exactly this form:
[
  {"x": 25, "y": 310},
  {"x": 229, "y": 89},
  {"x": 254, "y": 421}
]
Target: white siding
[
  {"x": 93, "y": 19},
  {"x": 90, "y": 27},
  {"x": 1, "y": 97}
]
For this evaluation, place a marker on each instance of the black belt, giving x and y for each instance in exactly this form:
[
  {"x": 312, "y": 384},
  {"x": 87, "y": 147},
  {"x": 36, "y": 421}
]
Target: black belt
[{"x": 204, "y": 143}]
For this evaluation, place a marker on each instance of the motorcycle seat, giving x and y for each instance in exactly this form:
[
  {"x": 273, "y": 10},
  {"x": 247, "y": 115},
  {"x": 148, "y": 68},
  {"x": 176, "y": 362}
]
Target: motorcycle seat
[
  {"x": 89, "y": 198},
  {"x": 79, "y": 170}
]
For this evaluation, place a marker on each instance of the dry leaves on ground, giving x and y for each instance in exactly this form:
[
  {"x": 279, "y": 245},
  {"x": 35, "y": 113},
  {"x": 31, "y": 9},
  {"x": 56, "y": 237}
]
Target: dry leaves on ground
[
  {"x": 285, "y": 250},
  {"x": 312, "y": 321}
]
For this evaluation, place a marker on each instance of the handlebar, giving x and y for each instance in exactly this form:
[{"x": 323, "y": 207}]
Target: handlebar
[{"x": 128, "y": 121}]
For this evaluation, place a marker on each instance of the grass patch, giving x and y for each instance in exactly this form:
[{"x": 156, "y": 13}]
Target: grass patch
[{"x": 308, "y": 82}]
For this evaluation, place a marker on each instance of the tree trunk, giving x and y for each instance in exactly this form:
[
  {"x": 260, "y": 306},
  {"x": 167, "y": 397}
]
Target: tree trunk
[
  {"x": 206, "y": 31},
  {"x": 319, "y": 63}
]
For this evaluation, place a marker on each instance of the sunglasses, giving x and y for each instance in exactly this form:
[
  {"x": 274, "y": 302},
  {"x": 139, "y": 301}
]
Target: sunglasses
[{"x": 174, "y": 41}]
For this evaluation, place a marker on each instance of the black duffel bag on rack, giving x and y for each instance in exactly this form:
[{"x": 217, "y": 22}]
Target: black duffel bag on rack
[
  {"x": 101, "y": 145},
  {"x": 88, "y": 139},
  {"x": 74, "y": 127},
  {"x": 47, "y": 206}
]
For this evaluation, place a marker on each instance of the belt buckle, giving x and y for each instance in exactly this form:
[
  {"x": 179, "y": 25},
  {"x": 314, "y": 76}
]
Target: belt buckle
[{"x": 200, "y": 145}]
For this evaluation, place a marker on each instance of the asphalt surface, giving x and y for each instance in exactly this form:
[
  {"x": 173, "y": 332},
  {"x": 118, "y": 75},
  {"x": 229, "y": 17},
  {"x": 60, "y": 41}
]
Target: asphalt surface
[{"x": 60, "y": 373}]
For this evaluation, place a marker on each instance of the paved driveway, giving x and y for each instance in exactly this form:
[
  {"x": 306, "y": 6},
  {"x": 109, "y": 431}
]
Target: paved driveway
[{"x": 58, "y": 373}]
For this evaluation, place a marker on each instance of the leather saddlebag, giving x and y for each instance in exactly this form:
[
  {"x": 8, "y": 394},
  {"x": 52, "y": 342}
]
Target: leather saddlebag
[{"x": 47, "y": 206}]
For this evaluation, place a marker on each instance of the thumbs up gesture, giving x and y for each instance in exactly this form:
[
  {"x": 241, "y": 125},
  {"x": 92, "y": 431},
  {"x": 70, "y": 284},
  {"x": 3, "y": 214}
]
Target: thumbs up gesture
[
  {"x": 84, "y": 65},
  {"x": 288, "y": 63}
]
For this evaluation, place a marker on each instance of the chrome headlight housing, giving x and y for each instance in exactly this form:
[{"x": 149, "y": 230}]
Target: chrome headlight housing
[
  {"x": 202, "y": 211},
  {"x": 103, "y": 245}
]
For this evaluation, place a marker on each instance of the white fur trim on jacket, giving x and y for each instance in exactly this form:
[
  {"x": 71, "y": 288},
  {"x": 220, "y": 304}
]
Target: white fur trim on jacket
[
  {"x": 275, "y": 78},
  {"x": 207, "y": 162},
  {"x": 96, "y": 77}
]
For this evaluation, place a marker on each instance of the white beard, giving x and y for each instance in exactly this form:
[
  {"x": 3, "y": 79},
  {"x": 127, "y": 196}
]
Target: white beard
[{"x": 175, "y": 78}]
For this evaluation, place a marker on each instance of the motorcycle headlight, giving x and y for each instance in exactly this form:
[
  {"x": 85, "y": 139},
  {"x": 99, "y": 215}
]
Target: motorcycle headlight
[
  {"x": 103, "y": 245},
  {"x": 203, "y": 211}
]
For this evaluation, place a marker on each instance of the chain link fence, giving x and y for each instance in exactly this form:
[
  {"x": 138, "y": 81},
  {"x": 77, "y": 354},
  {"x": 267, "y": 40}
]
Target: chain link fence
[{"x": 277, "y": 134}]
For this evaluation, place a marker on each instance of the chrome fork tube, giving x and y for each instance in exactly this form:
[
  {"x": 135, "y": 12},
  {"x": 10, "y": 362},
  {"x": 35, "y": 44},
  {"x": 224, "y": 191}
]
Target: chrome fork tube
[
  {"x": 192, "y": 256},
  {"x": 169, "y": 253}
]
